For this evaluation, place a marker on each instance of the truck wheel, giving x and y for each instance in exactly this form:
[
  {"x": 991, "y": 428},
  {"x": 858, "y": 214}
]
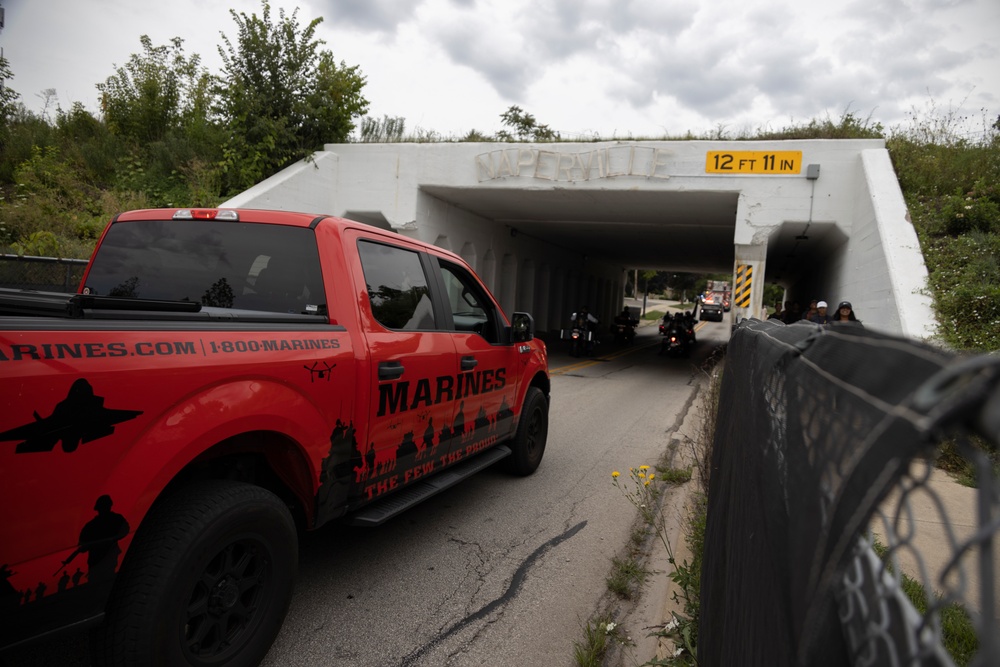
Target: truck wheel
[
  {"x": 207, "y": 581},
  {"x": 529, "y": 442}
]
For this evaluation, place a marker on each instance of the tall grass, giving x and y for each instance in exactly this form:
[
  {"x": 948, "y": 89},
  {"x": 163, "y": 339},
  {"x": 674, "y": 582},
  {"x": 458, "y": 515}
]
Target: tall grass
[{"x": 951, "y": 181}]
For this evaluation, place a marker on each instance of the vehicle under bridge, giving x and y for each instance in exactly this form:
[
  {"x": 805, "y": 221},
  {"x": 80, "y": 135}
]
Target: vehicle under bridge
[{"x": 552, "y": 226}]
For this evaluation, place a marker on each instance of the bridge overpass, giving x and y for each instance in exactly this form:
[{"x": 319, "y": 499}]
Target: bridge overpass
[{"x": 552, "y": 226}]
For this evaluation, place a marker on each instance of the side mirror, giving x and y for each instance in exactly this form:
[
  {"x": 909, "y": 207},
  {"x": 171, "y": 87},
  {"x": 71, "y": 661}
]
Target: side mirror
[{"x": 522, "y": 328}]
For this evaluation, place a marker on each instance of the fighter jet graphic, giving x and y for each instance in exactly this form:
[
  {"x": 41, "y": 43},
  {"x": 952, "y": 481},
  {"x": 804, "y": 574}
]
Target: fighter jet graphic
[{"x": 80, "y": 417}]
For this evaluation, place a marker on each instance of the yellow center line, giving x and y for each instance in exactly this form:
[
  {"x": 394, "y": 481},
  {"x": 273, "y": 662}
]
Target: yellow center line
[{"x": 562, "y": 370}]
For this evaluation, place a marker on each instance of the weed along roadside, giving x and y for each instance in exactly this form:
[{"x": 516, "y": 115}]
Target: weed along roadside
[{"x": 649, "y": 613}]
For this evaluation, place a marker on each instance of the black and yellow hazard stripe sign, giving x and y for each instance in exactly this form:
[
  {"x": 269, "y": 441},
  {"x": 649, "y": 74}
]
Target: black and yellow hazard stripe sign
[{"x": 744, "y": 278}]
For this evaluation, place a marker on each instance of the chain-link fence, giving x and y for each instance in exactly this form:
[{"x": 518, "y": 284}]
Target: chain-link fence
[
  {"x": 47, "y": 274},
  {"x": 832, "y": 538}
]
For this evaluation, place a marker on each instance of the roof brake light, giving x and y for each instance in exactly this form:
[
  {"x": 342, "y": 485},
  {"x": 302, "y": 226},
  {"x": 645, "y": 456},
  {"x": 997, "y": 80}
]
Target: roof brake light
[{"x": 207, "y": 214}]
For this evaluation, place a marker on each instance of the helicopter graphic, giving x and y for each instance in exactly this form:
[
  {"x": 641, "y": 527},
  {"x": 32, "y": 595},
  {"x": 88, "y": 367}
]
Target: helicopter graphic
[{"x": 319, "y": 373}]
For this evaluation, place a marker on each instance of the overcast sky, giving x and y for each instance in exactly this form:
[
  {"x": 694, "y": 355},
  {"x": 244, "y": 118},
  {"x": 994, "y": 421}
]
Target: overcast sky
[{"x": 613, "y": 68}]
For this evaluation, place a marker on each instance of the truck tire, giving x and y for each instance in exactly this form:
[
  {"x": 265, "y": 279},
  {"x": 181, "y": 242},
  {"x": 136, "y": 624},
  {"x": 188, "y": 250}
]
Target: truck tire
[
  {"x": 207, "y": 581},
  {"x": 528, "y": 444}
]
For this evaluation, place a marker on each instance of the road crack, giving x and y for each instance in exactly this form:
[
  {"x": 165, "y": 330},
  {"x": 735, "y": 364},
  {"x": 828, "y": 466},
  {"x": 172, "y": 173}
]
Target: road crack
[{"x": 512, "y": 590}]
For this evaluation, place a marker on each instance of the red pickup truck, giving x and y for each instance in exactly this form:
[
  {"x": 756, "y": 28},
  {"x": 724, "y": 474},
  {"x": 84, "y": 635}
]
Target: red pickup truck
[{"x": 223, "y": 379}]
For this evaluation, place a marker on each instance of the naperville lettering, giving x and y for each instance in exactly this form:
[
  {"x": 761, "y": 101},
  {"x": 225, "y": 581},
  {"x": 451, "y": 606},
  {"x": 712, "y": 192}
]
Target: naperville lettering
[
  {"x": 393, "y": 398},
  {"x": 627, "y": 160}
]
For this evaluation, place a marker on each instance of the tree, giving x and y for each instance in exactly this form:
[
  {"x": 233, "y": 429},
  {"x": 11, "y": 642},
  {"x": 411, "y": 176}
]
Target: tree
[
  {"x": 683, "y": 284},
  {"x": 155, "y": 92},
  {"x": 167, "y": 145},
  {"x": 524, "y": 126},
  {"x": 332, "y": 104},
  {"x": 281, "y": 97},
  {"x": 643, "y": 285},
  {"x": 8, "y": 98}
]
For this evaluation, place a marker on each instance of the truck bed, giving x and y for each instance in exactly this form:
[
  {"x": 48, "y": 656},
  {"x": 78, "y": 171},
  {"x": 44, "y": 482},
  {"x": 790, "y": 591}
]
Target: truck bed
[{"x": 31, "y": 304}]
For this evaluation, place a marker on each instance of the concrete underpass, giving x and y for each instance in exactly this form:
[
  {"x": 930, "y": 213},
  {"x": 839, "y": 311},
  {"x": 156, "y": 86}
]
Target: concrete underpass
[{"x": 552, "y": 226}]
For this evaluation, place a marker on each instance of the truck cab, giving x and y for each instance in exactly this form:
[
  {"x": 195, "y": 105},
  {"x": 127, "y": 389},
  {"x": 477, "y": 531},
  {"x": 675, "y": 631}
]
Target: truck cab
[{"x": 222, "y": 380}]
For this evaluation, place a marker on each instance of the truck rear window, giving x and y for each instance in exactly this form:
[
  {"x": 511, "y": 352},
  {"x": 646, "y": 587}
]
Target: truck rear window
[{"x": 222, "y": 264}]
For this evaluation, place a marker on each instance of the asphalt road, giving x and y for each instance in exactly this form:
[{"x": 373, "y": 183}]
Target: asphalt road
[{"x": 497, "y": 570}]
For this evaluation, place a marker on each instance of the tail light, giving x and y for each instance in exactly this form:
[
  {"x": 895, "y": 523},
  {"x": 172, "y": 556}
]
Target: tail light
[{"x": 207, "y": 214}]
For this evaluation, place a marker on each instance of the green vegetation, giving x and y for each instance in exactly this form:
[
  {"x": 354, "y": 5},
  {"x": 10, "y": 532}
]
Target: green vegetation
[
  {"x": 283, "y": 97},
  {"x": 958, "y": 633},
  {"x": 627, "y": 574},
  {"x": 598, "y": 635},
  {"x": 524, "y": 127},
  {"x": 683, "y": 628},
  {"x": 170, "y": 133},
  {"x": 672, "y": 475},
  {"x": 952, "y": 189},
  {"x": 959, "y": 463}
]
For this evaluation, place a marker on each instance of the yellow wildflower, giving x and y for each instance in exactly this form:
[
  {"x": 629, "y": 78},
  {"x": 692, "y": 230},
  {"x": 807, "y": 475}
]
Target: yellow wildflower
[
  {"x": 642, "y": 475},
  {"x": 643, "y": 468},
  {"x": 615, "y": 474},
  {"x": 646, "y": 483}
]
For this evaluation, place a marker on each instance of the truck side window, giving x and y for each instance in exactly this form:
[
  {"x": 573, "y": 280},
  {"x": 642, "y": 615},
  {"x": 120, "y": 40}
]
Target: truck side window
[
  {"x": 470, "y": 309},
  {"x": 397, "y": 287}
]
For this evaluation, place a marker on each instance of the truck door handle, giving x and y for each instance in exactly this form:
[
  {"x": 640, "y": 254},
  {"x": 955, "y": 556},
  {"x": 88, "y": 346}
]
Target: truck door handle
[
  {"x": 468, "y": 363},
  {"x": 390, "y": 370}
]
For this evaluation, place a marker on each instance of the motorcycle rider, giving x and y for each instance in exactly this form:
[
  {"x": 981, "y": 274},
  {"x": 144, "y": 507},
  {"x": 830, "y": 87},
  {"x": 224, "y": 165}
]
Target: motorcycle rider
[
  {"x": 689, "y": 324},
  {"x": 678, "y": 331},
  {"x": 583, "y": 319},
  {"x": 588, "y": 319},
  {"x": 625, "y": 325},
  {"x": 667, "y": 322}
]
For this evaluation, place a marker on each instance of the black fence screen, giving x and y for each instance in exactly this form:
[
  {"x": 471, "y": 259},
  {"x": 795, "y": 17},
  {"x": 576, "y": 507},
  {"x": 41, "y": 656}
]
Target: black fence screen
[
  {"x": 822, "y": 448},
  {"x": 45, "y": 274}
]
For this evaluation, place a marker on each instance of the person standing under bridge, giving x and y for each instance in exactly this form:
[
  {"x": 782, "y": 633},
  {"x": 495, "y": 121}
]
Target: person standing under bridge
[
  {"x": 812, "y": 311},
  {"x": 792, "y": 313},
  {"x": 820, "y": 316},
  {"x": 845, "y": 313}
]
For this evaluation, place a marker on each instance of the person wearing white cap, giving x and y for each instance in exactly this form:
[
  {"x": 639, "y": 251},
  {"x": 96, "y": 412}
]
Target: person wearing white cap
[{"x": 820, "y": 317}]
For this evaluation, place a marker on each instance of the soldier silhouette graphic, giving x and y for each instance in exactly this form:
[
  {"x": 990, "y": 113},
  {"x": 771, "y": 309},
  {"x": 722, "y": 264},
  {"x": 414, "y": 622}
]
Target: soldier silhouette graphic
[{"x": 99, "y": 540}]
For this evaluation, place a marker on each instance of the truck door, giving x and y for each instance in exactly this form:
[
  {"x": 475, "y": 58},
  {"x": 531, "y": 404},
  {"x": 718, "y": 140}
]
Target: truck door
[
  {"x": 486, "y": 387},
  {"x": 414, "y": 371}
]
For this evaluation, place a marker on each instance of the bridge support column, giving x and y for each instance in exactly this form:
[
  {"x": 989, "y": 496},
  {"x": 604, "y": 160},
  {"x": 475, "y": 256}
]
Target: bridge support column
[{"x": 748, "y": 282}]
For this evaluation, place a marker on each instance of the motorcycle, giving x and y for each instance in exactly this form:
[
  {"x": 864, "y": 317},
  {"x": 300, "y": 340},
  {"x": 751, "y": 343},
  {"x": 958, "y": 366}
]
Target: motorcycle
[
  {"x": 678, "y": 340},
  {"x": 579, "y": 336},
  {"x": 624, "y": 330}
]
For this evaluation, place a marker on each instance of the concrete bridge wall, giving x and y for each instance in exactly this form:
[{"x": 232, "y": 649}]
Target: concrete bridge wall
[{"x": 863, "y": 247}]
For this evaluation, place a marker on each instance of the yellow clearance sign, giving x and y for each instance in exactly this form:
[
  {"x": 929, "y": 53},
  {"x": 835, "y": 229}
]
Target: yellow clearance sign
[{"x": 753, "y": 162}]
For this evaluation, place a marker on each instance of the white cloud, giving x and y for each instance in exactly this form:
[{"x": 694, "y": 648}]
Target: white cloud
[{"x": 584, "y": 67}]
